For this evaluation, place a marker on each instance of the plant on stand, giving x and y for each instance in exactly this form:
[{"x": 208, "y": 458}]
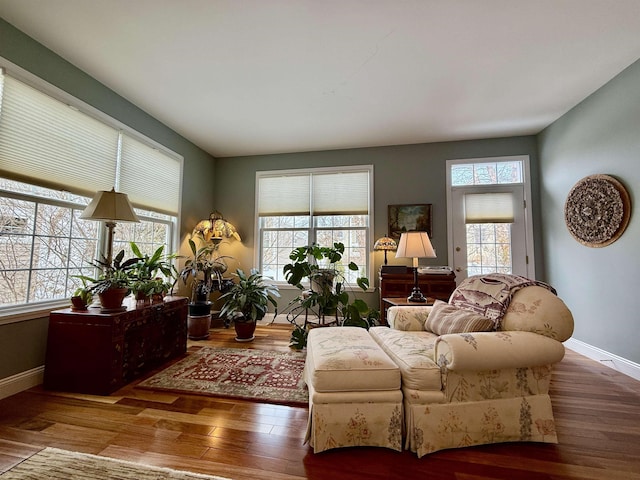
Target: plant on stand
[
  {"x": 326, "y": 295},
  {"x": 247, "y": 302}
]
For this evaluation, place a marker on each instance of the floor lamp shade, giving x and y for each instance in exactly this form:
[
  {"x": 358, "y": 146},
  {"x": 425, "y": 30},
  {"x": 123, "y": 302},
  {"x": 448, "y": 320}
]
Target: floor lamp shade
[
  {"x": 110, "y": 206},
  {"x": 415, "y": 245}
]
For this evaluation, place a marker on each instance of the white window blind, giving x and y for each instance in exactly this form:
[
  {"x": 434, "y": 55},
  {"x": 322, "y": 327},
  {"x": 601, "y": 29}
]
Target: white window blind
[
  {"x": 284, "y": 195},
  {"x": 341, "y": 193},
  {"x": 488, "y": 208},
  {"x": 46, "y": 142},
  {"x": 151, "y": 178}
]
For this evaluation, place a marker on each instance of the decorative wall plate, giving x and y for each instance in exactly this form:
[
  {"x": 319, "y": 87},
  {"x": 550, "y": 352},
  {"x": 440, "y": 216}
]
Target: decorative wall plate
[{"x": 597, "y": 210}]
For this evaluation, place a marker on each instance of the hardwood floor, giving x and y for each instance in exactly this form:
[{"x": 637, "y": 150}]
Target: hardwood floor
[{"x": 597, "y": 413}]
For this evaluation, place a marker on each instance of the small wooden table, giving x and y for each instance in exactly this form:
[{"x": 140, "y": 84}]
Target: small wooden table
[{"x": 402, "y": 302}]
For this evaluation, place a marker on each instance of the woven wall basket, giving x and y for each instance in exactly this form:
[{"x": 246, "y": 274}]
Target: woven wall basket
[{"x": 597, "y": 210}]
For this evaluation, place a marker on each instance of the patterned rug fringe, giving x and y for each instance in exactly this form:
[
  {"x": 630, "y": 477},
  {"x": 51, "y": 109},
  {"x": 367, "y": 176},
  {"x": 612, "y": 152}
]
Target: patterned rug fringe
[{"x": 56, "y": 464}]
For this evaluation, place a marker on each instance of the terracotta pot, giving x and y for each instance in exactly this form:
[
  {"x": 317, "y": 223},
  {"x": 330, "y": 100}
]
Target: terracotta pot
[
  {"x": 198, "y": 326},
  {"x": 157, "y": 298},
  {"x": 77, "y": 303},
  {"x": 111, "y": 299},
  {"x": 244, "y": 330},
  {"x": 142, "y": 299}
]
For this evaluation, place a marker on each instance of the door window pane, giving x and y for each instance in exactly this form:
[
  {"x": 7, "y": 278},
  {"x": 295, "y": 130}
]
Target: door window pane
[{"x": 488, "y": 248}]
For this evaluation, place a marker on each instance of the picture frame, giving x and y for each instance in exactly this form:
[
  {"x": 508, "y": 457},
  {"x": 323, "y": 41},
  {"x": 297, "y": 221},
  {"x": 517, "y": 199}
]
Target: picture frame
[{"x": 407, "y": 218}]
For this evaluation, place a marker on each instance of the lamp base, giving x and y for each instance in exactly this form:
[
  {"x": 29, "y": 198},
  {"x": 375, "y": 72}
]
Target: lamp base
[{"x": 416, "y": 296}]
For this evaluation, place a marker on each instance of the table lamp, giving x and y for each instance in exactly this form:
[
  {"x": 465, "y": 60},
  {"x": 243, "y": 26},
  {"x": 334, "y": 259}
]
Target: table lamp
[
  {"x": 415, "y": 245},
  {"x": 110, "y": 207},
  {"x": 385, "y": 244}
]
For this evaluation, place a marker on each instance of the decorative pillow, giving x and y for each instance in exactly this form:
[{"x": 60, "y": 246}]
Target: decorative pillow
[{"x": 445, "y": 318}]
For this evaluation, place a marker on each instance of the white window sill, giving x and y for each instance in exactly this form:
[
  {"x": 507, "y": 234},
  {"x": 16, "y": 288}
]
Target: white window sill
[{"x": 21, "y": 313}]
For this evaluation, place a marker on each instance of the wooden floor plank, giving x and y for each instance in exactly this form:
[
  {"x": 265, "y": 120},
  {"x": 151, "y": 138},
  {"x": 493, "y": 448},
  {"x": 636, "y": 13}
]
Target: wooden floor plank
[{"x": 597, "y": 412}]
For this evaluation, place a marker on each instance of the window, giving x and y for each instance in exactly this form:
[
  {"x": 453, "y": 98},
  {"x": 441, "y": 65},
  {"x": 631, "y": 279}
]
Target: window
[
  {"x": 487, "y": 173},
  {"x": 323, "y": 206},
  {"x": 55, "y": 153}
]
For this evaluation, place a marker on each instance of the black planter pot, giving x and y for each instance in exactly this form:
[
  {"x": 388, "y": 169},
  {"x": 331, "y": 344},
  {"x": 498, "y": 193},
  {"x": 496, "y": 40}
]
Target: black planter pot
[{"x": 199, "y": 309}]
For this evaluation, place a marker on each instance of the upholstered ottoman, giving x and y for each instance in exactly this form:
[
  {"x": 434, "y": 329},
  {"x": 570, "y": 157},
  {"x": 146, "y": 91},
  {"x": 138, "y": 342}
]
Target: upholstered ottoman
[{"x": 354, "y": 391}]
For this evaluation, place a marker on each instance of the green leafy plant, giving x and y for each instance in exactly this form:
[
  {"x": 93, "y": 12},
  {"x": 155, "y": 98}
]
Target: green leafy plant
[
  {"x": 112, "y": 275},
  {"x": 327, "y": 293},
  {"x": 298, "y": 337},
  {"x": 322, "y": 268},
  {"x": 248, "y": 300},
  {"x": 204, "y": 268},
  {"x": 146, "y": 273}
]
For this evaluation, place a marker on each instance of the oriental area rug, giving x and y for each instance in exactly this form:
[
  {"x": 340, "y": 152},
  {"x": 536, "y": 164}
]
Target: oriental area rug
[
  {"x": 55, "y": 464},
  {"x": 259, "y": 375}
]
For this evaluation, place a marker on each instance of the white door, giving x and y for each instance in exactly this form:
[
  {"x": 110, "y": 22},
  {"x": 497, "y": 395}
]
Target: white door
[{"x": 486, "y": 240}]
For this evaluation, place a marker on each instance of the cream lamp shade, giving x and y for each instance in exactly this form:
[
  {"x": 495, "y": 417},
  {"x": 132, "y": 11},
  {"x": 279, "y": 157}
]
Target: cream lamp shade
[
  {"x": 415, "y": 245},
  {"x": 386, "y": 244},
  {"x": 110, "y": 207}
]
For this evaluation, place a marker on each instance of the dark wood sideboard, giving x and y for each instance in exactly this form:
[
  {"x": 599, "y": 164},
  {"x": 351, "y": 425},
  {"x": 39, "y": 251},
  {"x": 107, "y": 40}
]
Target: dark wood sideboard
[
  {"x": 398, "y": 282},
  {"x": 98, "y": 353}
]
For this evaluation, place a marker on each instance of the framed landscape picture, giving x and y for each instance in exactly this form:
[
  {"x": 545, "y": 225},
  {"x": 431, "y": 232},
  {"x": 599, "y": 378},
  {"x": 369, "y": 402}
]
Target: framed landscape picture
[{"x": 407, "y": 218}]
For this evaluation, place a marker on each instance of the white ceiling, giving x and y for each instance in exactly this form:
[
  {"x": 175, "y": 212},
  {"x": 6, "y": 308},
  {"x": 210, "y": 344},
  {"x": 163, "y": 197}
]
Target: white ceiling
[{"x": 242, "y": 77}]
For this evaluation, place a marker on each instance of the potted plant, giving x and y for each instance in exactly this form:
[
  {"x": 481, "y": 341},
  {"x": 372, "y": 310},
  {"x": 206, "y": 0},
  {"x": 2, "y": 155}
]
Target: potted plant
[
  {"x": 326, "y": 293},
  {"x": 322, "y": 268},
  {"x": 247, "y": 302},
  {"x": 145, "y": 279},
  {"x": 114, "y": 282},
  {"x": 81, "y": 298},
  {"x": 203, "y": 270}
]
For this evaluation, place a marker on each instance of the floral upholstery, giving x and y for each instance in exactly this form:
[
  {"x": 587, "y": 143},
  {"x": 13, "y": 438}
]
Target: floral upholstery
[
  {"x": 408, "y": 319},
  {"x": 354, "y": 391},
  {"x": 492, "y": 386},
  {"x": 532, "y": 309},
  {"x": 414, "y": 354}
]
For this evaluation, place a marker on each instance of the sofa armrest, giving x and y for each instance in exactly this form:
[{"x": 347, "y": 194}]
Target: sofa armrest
[
  {"x": 408, "y": 318},
  {"x": 496, "y": 350}
]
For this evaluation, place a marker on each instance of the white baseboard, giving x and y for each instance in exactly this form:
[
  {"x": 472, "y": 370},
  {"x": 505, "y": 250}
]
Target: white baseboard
[
  {"x": 21, "y": 381},
  {"x": 268, "y": 319},
  {"x": 610, "y": 360}
]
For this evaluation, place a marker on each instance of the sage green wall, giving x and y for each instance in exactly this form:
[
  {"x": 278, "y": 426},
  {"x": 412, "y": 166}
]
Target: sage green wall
[
  {"x": 22, "y": 344},
  {"x": 403, "y": 175},
  {"x": 600, "y": 135}
]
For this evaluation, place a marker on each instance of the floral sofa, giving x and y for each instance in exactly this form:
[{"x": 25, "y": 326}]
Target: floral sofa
[{"x": 476, "y": 370}]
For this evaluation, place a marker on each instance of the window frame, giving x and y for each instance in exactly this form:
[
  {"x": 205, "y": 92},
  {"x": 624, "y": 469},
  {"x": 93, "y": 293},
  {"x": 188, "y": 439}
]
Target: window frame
[{"x": 313, "y": 227}]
